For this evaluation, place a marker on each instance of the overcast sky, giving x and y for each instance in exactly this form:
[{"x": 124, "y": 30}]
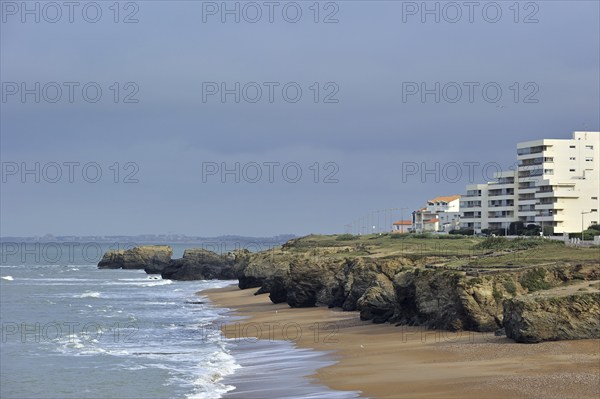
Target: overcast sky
[{"x": 360, "y": 133}]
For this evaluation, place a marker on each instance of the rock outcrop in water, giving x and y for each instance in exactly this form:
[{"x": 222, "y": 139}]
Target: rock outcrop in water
[
  {"x": 531, "y": 320},
  {"x": 200, "y": 264},
  {"x": 196, "y": 264},
  {"x": 152, "y": 258}
]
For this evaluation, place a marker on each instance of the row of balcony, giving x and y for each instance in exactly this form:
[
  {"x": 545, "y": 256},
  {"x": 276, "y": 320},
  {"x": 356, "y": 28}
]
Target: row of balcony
[
  {"x": 532, "y": 150},
  {"x": 535, "y": 161}
]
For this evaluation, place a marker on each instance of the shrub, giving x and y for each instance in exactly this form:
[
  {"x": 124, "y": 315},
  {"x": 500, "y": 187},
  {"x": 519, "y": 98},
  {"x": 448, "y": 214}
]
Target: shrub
[
  {"x": 587, "y": 234},
  {"x": 533, "y": 280},
  {"x": 345, "y": 237},
  {"x": 423, "y": 235},
  {"x": 451, "y": 236},
  {"x": 399, "y": 235},
  {"x": 500, "y": 243},
  {"x": 510, "y": 287},
  {"x": 491, "y": 243},
  {"x": 497, "y": 294},
  {"x": 463, "y": 232},
  {"x": 516, "y": 228}
]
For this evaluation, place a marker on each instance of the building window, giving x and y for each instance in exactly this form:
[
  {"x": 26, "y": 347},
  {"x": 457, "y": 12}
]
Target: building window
[
  {"x": 571, "y": 170},
  {"x": 589, "y": 159},
  {"x": 589, "y": 147},
  {"x": 571, "y": 146},
  {"x": 571, "y": 158}
]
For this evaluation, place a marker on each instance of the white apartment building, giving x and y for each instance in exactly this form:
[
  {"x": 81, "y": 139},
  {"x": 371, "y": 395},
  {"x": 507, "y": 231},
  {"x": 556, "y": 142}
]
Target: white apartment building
[
  {"x": 555, "y": 186},
  {"x": 441, "y": 214},
  {"x": 491, "y": 205}
]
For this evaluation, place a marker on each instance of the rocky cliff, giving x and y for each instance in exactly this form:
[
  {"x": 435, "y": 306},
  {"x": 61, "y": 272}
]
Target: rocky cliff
[
  {"x": 199, "y": 264},
  {"x": 399, "y": 290},
  {"x": 196, "y": 264},
  {"x": 530, "y": 320},
  {"x": 152, "y": 258}
]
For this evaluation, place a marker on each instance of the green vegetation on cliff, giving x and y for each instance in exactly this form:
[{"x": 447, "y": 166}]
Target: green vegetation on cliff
[{"x": 468, "y": 251}]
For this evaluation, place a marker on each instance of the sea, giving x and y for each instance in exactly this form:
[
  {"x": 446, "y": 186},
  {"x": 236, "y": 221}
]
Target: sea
[{"x": 71, "y": 330}]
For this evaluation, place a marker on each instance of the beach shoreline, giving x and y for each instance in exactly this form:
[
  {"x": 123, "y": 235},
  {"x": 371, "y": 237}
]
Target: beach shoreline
[{"x": 385, "y": 361}]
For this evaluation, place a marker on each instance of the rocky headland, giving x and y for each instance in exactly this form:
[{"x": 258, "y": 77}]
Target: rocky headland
[
  {"x": 440, "y": 287},
  {"x": 517, "y": 287}
]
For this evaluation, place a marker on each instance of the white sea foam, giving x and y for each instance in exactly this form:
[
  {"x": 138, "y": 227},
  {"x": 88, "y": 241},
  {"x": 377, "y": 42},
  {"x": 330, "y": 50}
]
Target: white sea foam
[
  {"x": 8, "y": 278},
  {"x": 88, "y": 294},
  {"x": 208, "y": 385},
  {"x": 157, "y": 282}
]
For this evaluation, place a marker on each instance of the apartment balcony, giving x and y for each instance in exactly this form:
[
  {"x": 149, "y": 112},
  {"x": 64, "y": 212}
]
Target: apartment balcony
[
  {"x": 470, "y": 204},
  {"x": 470, "y": 207},
  {"x": 529, "y": 208},
  {"x": 533, "y": 151},
  {"x": 500, "y": 186},
  {"x": 506, "y": 180},
  {"x": 528, "y": 190},
  {"x": 503, "y": 215},
  {"x": 471, "y": 215},
  {"x": 527, "y": 172},
  {"x": 527, "y": 184},
  {"x": 532, "y": 201},
  {"x": 544, "y": 194},
  {"x": 506, "y": 197},
  {"x": 501, "y": 208},
  {"x": 529, "y": 215},
  {"x": 554, "y": 205},
  {"x": 529, "y": 194},
  {"x": 536, "y": 161}
]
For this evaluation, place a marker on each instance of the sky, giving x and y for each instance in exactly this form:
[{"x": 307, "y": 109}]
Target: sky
[{"x": 257, "y": 118}]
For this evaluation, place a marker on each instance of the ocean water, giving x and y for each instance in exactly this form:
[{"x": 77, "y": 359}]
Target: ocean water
[{"x": 70, "y": 330}]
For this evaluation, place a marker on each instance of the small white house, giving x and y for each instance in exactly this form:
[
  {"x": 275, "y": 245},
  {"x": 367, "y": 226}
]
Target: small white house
[
  {"x": 441, "y": 214},
  {"x": 402, "y": 226}
]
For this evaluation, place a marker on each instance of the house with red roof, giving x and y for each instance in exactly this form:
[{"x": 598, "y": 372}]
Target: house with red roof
[{"x": 441, "y": 214}]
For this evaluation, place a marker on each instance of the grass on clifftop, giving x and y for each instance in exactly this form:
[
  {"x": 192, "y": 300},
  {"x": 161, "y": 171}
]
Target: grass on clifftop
[{"x": 440, "y": 250}]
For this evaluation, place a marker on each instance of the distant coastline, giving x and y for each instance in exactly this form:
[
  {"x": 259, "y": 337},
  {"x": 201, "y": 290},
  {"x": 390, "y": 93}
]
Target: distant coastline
[{"x": 144, "y": 238}]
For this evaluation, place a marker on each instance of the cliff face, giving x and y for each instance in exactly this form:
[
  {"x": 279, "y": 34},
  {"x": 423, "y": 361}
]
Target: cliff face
[
  {"x": 199, "y": 264},
  {"x": 533, "y": 320},
  {"x": 150, "y": 257},
  {"x": 196, "y": 264},
  {"x": 396, "y": 291}
]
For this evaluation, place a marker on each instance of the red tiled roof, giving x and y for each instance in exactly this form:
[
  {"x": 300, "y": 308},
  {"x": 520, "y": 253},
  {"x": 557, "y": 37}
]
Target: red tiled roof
[{"x": 403, "y": 223}]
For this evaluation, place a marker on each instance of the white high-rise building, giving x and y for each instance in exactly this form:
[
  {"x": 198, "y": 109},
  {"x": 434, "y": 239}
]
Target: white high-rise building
[{"x": 555, "y": 186}]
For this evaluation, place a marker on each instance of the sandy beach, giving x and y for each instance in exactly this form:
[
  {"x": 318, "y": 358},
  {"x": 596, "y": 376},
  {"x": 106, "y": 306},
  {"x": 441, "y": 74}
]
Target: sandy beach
[{"x": 386, "y": 361}]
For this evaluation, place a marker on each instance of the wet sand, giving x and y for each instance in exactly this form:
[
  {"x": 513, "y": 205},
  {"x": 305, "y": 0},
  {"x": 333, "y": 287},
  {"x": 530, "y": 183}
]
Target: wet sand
[{"x": 385, "y": 361}]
